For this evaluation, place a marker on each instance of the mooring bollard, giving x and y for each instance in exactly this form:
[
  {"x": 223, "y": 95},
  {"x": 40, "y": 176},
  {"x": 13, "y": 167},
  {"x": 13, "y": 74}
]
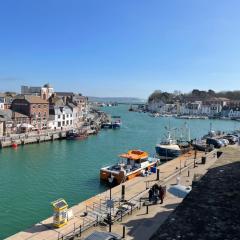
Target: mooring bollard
[
  {"x": 124, "y": 232},
  {"x": 80, "y": 231},
  {"x": 158, "y": 174},
  {"x": 146, "y": 209},
  {"x": 188, "y": 173},
  {"x": 123, "y": 192}
]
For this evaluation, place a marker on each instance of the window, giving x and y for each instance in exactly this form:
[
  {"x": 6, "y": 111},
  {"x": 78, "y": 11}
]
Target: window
[
  {"x": 63, "y": 123},
  {"x": 59, "y": 124},
  {"x": 63, "y": 116},
  {"x": 34, "y": 106},
  {"x": 39, "y": 106},
  {"x": 59, "y": 116},
  {"x": 70, "y": 122},
  {"x": 39, "y": 115},
  {"x": 67, "y": 122},
  {"x": 67, "y": 115}
]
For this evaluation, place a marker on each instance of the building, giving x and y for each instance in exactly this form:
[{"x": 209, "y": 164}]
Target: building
[
  {"x": 46, "y": 92},
  {"x": 155, "y": 106},
  {"x": 2, "y": 127},
  {"x": 26, "y": 90},
  {"x": 36, "y": 108},
  {"x": 192, "y": 108},
  {"x": 2, "y": 102},
  {"x": 60, "y": 117}
]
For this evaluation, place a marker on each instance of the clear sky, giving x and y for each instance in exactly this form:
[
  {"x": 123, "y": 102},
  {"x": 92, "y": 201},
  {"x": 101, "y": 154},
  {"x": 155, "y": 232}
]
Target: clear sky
[{"x": 120, "y": 47}]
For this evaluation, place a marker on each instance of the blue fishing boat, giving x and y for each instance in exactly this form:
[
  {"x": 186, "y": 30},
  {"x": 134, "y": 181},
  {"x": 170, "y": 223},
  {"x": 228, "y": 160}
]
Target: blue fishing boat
[{"x": 170, "y": 148}]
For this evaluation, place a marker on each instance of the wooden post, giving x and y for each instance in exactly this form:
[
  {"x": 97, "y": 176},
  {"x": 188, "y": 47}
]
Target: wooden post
[
  {"x": 124, "y": 232},
  {"x": 146, "y": 209},
  {"x": 123, "y": 193},
  {"x": 158, "y": 174}
]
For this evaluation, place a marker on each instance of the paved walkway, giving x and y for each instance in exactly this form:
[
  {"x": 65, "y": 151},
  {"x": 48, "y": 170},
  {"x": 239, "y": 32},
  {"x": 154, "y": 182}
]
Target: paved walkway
[{"x": 139, "y": 225}]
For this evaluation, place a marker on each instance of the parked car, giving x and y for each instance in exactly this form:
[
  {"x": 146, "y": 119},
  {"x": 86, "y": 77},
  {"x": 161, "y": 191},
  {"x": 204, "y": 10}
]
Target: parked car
[
  {"x": 215, "y": 142},
  {"x": 103, "y": 236}
]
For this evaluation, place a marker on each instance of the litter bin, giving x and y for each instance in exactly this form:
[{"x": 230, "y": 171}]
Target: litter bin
[{"x": 203, "y": 160}]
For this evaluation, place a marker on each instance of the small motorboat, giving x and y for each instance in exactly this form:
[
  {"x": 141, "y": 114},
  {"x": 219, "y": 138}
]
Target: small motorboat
[{"x": 132, "y": 164}]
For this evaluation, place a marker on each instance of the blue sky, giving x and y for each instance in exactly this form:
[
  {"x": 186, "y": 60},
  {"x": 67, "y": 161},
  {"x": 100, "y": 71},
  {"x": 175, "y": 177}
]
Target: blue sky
[{"x": 120, "y": 47}]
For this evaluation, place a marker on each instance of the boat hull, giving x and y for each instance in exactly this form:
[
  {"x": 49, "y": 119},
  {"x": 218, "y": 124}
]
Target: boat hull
[
  {"x": 166, "y": 153},
  {"x": 121, "y": 177}
]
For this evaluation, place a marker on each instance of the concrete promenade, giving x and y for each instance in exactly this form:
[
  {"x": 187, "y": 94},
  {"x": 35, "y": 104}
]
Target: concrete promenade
[{"x": 139, "y": 225}]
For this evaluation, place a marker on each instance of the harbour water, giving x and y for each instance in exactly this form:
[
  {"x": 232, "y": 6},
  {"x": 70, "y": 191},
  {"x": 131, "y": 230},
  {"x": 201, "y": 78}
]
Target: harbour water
[{"x": 34, "y": 175}]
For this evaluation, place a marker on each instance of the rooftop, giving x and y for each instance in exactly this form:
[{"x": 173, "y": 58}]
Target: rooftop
[{"x": 32, "y": 99}]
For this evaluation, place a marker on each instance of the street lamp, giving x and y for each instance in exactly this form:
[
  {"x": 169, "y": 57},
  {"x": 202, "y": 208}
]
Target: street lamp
[{"x": 110, "y": 203}]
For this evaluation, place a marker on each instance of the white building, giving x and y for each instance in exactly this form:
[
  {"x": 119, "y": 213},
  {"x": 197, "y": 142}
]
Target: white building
[
  {"x": 234, "y": 112},
  {"x": 193, "y": 108},
  {"x": 61, "y": 117},
  {"x": 2, "y": 103},
  {"x": 46, "y": 92}
]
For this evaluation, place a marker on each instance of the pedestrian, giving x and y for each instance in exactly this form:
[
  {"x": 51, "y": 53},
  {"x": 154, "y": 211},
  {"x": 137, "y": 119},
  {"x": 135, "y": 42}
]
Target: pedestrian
[
  {"x": 150, "y": 195},
  {"x": 161, "y": 194}
]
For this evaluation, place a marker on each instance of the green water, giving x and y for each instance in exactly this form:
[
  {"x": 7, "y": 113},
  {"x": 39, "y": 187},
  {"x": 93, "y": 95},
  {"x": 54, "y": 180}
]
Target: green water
[{"x": 34, "y": 175}]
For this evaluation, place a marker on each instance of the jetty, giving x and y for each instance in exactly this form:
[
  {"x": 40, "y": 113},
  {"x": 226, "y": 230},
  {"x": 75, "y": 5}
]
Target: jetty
[{"x": 90, "y": 215}]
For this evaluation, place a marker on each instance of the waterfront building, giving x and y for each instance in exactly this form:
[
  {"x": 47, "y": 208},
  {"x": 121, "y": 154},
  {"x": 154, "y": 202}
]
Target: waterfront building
[
  {"x": 191, "y": 108},
  {"x": 155, "y": 106},
  {"x": 217, "y": 101},
  {"x": 36, "y": 108},
  {"x": 82, "y": 103},
  {"x": 77, "y": 121},
  {"x": 61, "y": 117},
  {"x": 2, "y": 126}
]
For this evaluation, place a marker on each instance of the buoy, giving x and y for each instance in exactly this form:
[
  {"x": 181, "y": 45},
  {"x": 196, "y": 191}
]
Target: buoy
[{"x": 14, "y": 145}]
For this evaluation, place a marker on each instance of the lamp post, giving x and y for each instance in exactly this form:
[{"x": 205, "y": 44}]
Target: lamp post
[{"x": 110, "y": 180}]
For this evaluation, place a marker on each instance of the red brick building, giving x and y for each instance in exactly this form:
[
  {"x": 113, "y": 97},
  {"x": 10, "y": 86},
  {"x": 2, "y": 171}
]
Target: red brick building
[{"x": 34, "y": 107}]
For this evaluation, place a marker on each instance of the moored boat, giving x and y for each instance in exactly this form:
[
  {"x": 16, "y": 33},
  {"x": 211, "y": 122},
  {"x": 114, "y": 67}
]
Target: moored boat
[
  {"x": 132, "y": 164},
  {"x": 170, "y": 148},
  {"x": 75, "y": 135}
]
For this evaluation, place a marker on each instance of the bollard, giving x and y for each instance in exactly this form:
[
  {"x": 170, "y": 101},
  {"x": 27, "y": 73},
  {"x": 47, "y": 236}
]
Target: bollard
[
  {"x": 124, "y": 232},
  {"x": 158, "y": 174},
  {"x": 146, "y": 209},
  {"x": 203, "y": 160},
  {"x": 80, "y": 231},
  {"x": 123, "y": 192},
  {"x": 188, "y": 173}
]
